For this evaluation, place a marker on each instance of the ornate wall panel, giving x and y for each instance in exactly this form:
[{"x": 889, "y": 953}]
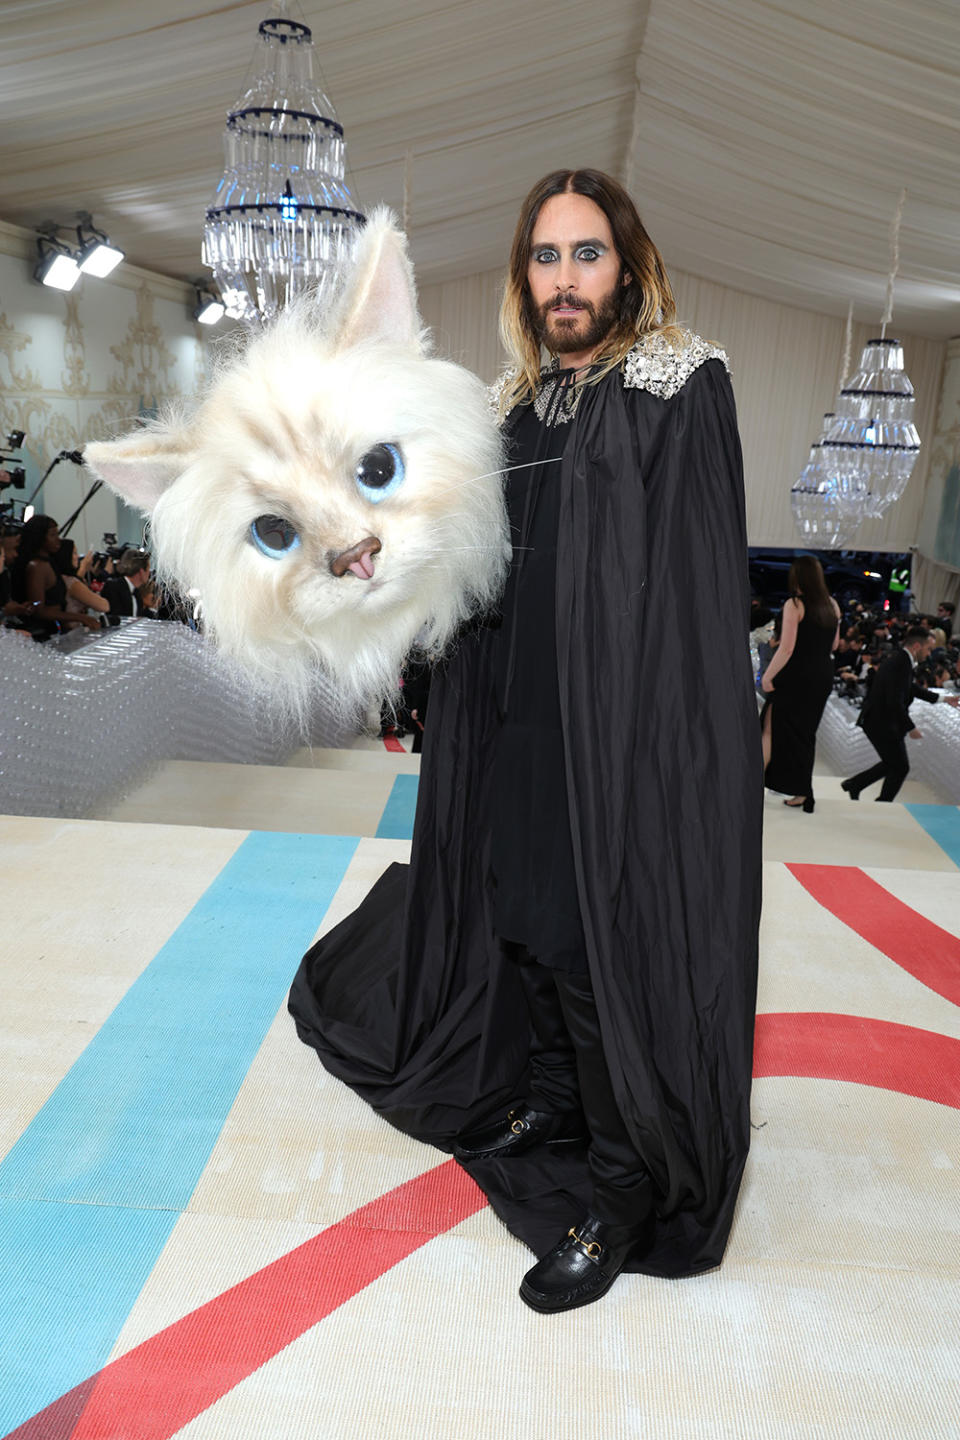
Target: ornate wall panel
[{"x": 81, "y": 366}]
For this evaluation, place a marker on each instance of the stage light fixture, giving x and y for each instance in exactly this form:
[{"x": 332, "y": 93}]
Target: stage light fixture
[
  {"x": 208, "y": 308},
  {"x": 96, "y": 256},
  {"x": 56, "y": 266}
]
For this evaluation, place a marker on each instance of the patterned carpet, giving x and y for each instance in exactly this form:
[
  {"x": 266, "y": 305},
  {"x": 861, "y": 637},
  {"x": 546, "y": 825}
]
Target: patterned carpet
[{"x": 206, "y": 1236}]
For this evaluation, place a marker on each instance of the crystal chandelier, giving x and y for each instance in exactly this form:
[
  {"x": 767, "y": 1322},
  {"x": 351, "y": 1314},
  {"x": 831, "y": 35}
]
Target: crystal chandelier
[
  {"x": 821, "y": 514},
  {"x": 872, "y": 446},
  {"x": 868, "y": 447},
  {"x": 282, "y": 218}
]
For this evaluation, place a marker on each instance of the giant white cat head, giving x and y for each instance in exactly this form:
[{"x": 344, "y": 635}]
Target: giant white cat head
[{"x": 335, "y": 497}]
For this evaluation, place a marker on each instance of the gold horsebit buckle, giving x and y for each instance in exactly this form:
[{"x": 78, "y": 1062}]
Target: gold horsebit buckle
[
  {"x": 518, "y": 1126},
  {"x": 589, "y": 1247}
]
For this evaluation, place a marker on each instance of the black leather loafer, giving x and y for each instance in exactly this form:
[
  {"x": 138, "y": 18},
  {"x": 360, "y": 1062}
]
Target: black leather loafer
[
  {"x": 522, "y": 1129},
  {"x": 845, "y": 785},
  {"x": 585, "y": 1264}
]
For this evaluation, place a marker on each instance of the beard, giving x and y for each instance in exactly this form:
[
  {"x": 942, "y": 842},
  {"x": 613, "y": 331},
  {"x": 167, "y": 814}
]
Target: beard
[{"x": 570, "y": 334}]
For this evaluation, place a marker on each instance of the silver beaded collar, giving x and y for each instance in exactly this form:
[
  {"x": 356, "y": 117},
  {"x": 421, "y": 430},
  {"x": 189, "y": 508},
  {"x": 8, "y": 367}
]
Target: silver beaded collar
[{"x": 557, "y": 397}]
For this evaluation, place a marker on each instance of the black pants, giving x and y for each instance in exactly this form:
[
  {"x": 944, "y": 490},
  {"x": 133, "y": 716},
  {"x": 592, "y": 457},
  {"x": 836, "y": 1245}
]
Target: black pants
[
  {"x": 892, "y": 769},
  {"x": 568, "y": 1071}
]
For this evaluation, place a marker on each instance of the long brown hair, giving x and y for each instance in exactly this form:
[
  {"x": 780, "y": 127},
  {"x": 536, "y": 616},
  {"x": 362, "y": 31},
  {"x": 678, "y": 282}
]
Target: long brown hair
[
  {"x": 646, "y": 304},
  {"x": 805, "y": 582}
]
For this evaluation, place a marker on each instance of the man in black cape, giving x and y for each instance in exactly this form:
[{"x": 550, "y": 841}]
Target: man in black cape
[{"x": 561, "y": 987}]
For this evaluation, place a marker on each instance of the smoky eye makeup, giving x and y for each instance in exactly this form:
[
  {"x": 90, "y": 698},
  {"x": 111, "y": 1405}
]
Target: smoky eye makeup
[{"x": 587, "y": 250}]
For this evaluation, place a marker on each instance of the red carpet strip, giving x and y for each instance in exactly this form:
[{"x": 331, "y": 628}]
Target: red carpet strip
[
  {"x": 152, "y": 1391},
  {"x": 861, "y": 1051},
  {"x": 230, "y": 1337},
  {"x": 928, "y": 953}
]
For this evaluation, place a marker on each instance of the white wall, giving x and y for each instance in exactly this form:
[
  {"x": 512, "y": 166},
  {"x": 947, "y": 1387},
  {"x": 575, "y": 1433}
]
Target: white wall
[
  {"x": 81, "y": 366},
  {"x": 785, "y": 363}
]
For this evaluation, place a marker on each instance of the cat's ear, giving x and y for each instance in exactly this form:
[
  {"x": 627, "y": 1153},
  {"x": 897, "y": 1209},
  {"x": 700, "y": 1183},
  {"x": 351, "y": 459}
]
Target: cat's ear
[
  {"x": 379, "y": 301},
  {"x": 139, "y": 467}
]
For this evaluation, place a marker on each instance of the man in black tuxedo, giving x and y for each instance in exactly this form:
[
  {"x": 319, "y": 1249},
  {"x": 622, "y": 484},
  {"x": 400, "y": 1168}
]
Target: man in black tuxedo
[
  {"x": 132, "y": 569},
  {"x": 885, "y": 715}
]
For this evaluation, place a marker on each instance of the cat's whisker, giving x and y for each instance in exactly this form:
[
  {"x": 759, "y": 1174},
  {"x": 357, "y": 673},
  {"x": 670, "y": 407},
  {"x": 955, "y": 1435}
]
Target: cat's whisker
[
  {"x": 446, "y": 549},
  {"x": 504, "y": 470},
  {"x": 526, "y": 465}
]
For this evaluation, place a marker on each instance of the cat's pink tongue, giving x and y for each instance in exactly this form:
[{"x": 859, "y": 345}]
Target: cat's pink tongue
[{"x": 362, "y": 568}]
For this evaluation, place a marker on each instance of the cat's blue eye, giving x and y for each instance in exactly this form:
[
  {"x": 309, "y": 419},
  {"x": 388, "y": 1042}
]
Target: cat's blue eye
[
  {"x": 274, "y": 536},
  {"x": 380, "y": 472}
]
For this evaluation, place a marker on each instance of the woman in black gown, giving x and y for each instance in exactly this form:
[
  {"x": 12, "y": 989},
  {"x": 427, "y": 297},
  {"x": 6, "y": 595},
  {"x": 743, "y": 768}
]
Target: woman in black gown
[{"x": 797, "y": 683}]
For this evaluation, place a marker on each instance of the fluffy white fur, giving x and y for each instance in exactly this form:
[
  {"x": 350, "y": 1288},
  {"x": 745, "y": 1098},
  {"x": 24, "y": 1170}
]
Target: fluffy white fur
[{"x": 281, "y": 431}]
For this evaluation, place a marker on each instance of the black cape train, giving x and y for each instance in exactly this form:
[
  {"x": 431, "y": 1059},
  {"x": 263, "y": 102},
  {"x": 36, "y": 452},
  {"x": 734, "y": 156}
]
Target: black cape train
[{"x": 409, "y": 1000}]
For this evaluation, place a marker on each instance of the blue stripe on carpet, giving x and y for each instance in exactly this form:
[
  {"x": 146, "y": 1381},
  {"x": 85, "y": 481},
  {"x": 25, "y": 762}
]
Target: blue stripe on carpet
[
  {"x": 93, "y": 1187},
  {"x": 942, "y": 823},
  {"x": 396, "y": 822}
]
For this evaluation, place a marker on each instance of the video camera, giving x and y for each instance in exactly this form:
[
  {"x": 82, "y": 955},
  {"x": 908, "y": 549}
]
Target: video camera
[
  {"x": 16, "y": 475},
  {"x": 111, "y": 550}
]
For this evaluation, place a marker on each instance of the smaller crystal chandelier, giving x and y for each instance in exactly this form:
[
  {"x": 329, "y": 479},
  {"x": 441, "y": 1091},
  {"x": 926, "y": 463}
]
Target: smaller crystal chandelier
[
  {"x": 282, "y": 218},
  {"x": 868, "y": 447},
  {"x": 814, "y": 500}
]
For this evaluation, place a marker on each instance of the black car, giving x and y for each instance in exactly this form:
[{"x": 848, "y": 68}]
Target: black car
[{"x": 851, "y": 575}]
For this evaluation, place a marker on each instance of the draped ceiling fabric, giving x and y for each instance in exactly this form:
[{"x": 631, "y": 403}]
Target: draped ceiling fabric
[
  {"x": 766, "y": 142},
  {"x": 120, "y": 109},
  {"x": 771, "y": 140}
]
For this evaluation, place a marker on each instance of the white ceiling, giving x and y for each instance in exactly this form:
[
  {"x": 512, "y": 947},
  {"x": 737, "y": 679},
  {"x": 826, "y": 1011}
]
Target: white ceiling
[{"x": 765, "y": 140}]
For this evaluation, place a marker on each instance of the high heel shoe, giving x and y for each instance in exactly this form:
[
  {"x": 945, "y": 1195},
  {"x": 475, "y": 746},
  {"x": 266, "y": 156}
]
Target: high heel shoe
[{"x": 806, "y": 805}]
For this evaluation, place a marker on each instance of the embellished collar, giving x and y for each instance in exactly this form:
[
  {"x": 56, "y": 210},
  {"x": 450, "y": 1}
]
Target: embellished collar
[{"x": 662, "y": 368}]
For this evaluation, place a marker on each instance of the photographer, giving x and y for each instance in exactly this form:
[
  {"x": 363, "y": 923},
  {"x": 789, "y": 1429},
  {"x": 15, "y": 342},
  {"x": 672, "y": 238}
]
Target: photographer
[
  {"x": 9, "y": 546},
  {"x": 945, "y": 613},
  {"x": 10, "y": 472},
  {"x": 149, "y": 597},
  {"x": 849, "y": 654}
]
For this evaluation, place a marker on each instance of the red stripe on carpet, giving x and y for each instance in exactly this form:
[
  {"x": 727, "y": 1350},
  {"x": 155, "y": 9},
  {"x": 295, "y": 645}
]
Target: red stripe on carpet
[
  {"x": 391, "y": 742},
  {"x": 152, "y": 1391},
  {"x": 234, "y": 1334},
  {"x": 861, "y": 1051},
  {"x": 906, "y": 937}
]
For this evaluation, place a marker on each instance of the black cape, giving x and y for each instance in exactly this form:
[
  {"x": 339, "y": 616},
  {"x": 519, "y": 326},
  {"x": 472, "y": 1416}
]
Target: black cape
[{"x": 410, "y": 1000}]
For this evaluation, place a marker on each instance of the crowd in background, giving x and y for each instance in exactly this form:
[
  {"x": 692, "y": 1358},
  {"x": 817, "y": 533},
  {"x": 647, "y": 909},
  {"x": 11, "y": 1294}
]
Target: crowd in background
[
  {"x": 47, "y": 588},
  {"x": 868, "y": 635}
]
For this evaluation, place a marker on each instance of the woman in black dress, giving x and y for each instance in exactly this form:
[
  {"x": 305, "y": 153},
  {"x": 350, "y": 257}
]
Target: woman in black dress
[
  {"x": 797, "y": 683},
  {"x": 36, "y": 580}
]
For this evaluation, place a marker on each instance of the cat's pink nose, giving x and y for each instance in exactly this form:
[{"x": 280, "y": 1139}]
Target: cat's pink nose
[{"x": 358, "y": 559}]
